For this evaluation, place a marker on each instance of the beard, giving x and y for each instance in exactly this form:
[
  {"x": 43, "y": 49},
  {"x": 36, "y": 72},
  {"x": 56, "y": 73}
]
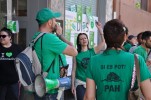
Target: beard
[
  {"x": 148, "y": 46},
  {"x": 54, "y": 29}
]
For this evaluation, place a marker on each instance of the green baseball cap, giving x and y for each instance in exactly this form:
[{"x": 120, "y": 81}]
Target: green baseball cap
[{"x": 46, "y": 14}]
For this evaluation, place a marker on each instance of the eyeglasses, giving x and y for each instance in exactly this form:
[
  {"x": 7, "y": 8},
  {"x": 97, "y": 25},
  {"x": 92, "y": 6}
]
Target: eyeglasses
[{"x": 3, "y": 36}]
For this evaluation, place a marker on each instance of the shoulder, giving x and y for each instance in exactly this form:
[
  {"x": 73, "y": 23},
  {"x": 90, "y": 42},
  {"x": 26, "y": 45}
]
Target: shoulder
[
  {"x": 91, "y": 49},
  {"x": 139, "y": 49},
  {"x": 49, "y": 37},
  {"x": 96, "y": 56},
  {"x": 140, "y": 58}
]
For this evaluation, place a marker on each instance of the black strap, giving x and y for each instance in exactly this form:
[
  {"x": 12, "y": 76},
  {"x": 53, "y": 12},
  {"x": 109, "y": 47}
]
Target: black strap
[
  {"x": 52, "y": 64},
  {"x": 149, "y": 52},
  {"x": 60, "y": 60}
]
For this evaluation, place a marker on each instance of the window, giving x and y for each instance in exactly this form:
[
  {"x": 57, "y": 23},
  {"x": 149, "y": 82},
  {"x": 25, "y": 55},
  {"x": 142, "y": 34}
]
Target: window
[
  {"x": 20, "y": 7},
  {"x": 3, "y": 12},
  {"x": 149, "y": 6},
  {"x": 137, "y": 4},
  {"x": 144, "y": 4}
]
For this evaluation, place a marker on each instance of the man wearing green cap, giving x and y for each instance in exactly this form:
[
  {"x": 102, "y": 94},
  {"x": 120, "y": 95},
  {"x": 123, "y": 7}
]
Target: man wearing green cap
[{"x": 50, "y": 46}]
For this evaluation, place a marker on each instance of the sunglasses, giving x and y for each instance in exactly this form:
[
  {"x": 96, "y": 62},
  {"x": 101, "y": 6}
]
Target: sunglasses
[{"x": 3, "y": 36}]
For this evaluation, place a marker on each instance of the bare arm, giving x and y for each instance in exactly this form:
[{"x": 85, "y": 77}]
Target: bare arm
[
  {"x": 101, "y": 45},
  {"x": 73, "y": 75},
  {"x": 146, "y": 89},
  {"x": 90, "y": 90},
  {"x": 70, "y": 49}
]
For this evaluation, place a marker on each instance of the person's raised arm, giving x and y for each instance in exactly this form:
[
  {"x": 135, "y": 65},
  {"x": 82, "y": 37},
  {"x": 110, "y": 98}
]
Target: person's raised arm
[
  {"x": 90, "y": 90},
  {"x": 101, "y": 45},
  {"x": 70, "y": 49},
  {"x": 73, "y": 76}
]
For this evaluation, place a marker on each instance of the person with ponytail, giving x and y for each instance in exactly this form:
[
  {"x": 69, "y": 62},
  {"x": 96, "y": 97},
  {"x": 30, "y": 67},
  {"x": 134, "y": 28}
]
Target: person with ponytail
[{"x": 109, "y": 74}]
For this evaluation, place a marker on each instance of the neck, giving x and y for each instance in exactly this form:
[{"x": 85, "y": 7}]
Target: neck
[
  {"x": 147, "y": 49},
  {"x": 45, "y": 29},
  {"x": 117, "y": 48},
  {"x": 84, "y": 48},
  {"x": 7, "y": 45}
]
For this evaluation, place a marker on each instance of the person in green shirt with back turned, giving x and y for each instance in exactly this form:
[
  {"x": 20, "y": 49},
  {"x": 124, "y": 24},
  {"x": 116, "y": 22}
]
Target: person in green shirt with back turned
[{"x": 109, "y": 74}]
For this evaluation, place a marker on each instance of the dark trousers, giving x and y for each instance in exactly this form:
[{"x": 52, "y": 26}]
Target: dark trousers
[
  {"x": 80, "y": 91},
  {"x": 9, "y": 92}
]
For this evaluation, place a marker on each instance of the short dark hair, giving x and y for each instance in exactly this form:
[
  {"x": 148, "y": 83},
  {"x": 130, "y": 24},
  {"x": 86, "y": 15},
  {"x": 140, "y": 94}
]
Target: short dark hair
[
  {"x": 8, "y": 31},
  {"x": 139, "y": 35},
  {"x": 114, "y": 31},
  {"x": 146, "y": 35}
]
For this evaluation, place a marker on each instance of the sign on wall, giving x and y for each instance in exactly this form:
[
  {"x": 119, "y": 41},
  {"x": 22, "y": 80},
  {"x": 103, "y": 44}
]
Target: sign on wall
[{"x": 74, "y": 27}]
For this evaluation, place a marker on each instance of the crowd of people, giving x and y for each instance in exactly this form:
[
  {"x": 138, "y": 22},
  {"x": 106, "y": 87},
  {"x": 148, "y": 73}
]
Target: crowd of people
[{"x": 96, "y": 75}]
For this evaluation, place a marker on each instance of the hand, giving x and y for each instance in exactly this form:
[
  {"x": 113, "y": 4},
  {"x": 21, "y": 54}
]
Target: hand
[
  {"x": 98, "y": 25},
  {"x": 58, "y": 30},
  {"x": 73, "y": 90},
  {"x": 63, "y": 72},
  {"x": 148, "y": 63}
]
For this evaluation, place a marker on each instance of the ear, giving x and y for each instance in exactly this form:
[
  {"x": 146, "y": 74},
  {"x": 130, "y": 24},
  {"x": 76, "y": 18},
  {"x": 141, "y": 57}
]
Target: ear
[
  {"x": 144, "y": 41},
  {"x": 50, "y": 22}
]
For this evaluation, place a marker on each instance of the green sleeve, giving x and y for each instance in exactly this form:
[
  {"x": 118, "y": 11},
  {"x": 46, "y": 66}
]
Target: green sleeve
[
  {"x": 144, "y": 72},
  {"x": 54, "y": 44},
  {"x": 139, "y": 52}
]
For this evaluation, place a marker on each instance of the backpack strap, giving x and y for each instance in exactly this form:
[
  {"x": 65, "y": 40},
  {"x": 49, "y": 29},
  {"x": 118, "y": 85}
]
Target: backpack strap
[
  {"x": 35, "y": 40},
  {"x": 60, "y": 60},
  {"x": 137, "y": 68},
  {"x": 136, "y": 72}
]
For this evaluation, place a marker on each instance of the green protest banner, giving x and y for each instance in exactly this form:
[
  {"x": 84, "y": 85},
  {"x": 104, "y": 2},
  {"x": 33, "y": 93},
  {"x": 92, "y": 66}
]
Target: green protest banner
[
  {"x": 13, "y": 26},
  {"x": 89, "y": 16},
  {"x": 91, "y": 41},
  {"x": 79, "y": 13}
]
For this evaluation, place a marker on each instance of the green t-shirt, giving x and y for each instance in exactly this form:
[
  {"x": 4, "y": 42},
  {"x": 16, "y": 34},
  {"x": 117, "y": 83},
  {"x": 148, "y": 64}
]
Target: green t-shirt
[
  {"x": 112, "y": 73},
  {"x": 52, "y": 46},
  {"x": 82, "y": 61},
  {"x": 141, "y": 51},
  {"x": 127, "y": 46}
]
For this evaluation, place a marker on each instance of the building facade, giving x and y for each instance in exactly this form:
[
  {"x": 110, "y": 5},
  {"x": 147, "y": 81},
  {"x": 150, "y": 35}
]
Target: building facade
[{"x": 136, "y": 14}]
